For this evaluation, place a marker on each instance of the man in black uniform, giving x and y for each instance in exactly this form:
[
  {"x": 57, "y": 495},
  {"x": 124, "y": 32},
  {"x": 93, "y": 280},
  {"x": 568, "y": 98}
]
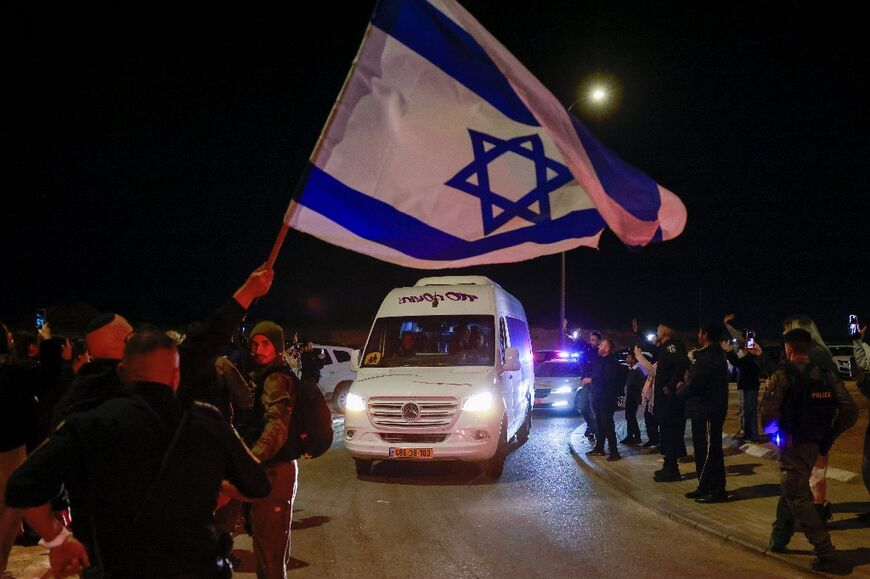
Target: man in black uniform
[
  {"x": 670, "y": 371},
  {"x": 144, "y": 472},
  {"x": 708, "y": 380}
]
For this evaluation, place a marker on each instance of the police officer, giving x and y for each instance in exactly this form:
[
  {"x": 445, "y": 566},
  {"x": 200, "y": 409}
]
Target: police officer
[
  {"x": 267, "y": 431},
  {"x": 143, "y": 472},
  {"x": 671, "y": 368},
  {"x": 799, "y": 450}
]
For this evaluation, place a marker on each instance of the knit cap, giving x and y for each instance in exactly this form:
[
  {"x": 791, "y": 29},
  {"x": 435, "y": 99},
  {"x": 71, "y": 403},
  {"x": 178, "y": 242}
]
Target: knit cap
[{"x": 272, "y": 331}]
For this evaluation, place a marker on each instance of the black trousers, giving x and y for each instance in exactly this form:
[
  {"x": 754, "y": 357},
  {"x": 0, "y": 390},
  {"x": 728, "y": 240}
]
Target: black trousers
[
  {"x": 712, "y": 476},
  {"x": 699, "y": 443},
  {"x": 672, "y": 428},
  {"x": 631, "y": 404},
  {"x": 604, "y": 410},
  {"x": 651, "y": 424}
]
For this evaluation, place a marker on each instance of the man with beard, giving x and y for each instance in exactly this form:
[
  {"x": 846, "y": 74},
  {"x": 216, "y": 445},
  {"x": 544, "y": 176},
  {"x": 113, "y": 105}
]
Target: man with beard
[{"x": 606, "y": 383}]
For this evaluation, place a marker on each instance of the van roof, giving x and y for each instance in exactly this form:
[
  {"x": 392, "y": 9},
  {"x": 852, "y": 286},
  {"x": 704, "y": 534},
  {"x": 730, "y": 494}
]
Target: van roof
[{"x": 456, "y": 280}]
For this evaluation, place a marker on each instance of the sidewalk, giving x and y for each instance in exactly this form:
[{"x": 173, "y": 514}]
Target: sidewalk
[{"x": 753, "y": 486}]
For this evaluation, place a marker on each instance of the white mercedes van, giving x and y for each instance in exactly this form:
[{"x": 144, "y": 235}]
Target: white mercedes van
[{"x": 446, "y": 374}]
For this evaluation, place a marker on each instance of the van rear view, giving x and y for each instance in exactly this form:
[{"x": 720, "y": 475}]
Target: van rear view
[{"x": 446, "y": 374}]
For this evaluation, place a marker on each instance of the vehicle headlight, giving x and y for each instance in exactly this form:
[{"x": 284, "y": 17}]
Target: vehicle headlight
[
  {"x": 562, "y": 390},
  {"x": 479, "y": 402},
  {"x": 354, "y": 403}
]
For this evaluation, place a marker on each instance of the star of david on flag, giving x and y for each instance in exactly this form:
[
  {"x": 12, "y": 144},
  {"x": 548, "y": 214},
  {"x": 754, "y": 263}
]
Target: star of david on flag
[{"x": 444, "y": 151}]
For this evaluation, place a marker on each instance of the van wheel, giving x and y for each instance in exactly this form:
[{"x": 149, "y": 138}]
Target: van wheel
[
  {"x": 363, "y": 466},
  {"x": 339, "y": 397},
  {"x": 526, "y": 428},
  {"x": 493, "y": 468}
]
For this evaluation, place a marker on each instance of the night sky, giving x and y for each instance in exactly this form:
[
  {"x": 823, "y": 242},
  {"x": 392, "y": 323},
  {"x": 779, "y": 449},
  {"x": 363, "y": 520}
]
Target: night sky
[{"x": 154, "y": 154}]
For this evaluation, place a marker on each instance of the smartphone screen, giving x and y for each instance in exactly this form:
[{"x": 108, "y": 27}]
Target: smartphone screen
[
  {"x": 40, "y": 319},
  {"x": 750, "y": 339},
  {"x": 853, "y": 325}
]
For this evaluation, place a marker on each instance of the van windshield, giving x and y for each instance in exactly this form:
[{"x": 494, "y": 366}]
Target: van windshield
[{"x": 431, "y": 341}]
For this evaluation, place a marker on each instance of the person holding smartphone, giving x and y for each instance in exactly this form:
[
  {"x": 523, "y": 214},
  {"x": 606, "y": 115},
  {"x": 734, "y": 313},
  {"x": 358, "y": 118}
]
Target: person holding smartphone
[{"x": 744, "y": 354}]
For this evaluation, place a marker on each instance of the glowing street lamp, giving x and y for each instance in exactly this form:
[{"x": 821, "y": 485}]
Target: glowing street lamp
[{"x": 598, "y": 94}]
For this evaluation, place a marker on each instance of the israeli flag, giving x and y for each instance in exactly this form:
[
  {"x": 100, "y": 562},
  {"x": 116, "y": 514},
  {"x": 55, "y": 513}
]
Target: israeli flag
[{"x": 444, "y": 151}]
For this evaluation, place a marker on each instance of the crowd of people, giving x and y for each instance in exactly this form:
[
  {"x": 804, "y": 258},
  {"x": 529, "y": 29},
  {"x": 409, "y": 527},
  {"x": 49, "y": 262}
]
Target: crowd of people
[
  {"x": 133, "y": 453},
  {"x": 804, "y": 409}
]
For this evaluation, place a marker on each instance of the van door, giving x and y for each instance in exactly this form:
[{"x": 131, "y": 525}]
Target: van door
[
  {"x": 509, "y": 380},
  {"x": 522, "y": 382}
]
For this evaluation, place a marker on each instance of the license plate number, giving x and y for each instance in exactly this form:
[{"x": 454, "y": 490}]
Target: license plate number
[{"x": 410, "y": 452}]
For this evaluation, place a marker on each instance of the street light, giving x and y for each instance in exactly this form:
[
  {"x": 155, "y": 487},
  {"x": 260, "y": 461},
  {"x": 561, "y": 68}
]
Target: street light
[{"x": 597, "y": 95}]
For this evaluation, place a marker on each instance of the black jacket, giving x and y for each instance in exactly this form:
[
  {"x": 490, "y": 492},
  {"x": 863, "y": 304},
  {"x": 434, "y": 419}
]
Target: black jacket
[
  {"x": 708, "y": 380},
  {"x": 670, "y": 370},
  {"x": 608, "y": 380},
  {"x": 108, "y": 459},
  {"x": 17, "y": 403},
  {"x": 97, "y": 381},
  {"x": 198, "y": 352},
  {"x": 748, "y": 370}
]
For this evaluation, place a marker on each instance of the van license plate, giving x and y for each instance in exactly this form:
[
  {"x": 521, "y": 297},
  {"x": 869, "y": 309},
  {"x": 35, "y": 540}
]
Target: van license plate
[{"x": 410, "y": 452}]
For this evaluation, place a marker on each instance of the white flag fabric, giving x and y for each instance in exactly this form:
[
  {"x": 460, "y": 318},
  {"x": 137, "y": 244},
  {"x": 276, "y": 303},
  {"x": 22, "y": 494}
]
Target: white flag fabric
[{"x": 444, "y": 151}]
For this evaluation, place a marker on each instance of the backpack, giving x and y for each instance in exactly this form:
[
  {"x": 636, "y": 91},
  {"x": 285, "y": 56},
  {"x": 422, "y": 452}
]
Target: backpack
[
  {"x": 310, "y": 433},
  {"x": 809, "y": 407}
]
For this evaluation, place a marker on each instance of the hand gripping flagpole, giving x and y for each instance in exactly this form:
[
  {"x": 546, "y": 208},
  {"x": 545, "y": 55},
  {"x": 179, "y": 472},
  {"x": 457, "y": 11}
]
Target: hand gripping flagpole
[{"x": 288, "y": 215}]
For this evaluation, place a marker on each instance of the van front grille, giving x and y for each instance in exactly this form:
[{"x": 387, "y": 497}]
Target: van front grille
[
  {"x": 404, "y": 413},
  {"x": 412, "y": 437}
]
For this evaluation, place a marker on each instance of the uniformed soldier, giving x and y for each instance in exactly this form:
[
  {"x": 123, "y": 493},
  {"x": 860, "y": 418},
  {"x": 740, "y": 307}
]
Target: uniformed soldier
[
  {"x": 673, "y": 362},
  {"x": 798, "y": 452},
  {"x": 267, "y": 432}
]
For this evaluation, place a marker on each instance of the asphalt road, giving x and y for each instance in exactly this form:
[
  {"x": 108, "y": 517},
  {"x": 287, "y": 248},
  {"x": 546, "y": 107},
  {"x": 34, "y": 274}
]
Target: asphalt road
[{"x": 546, "y": 517}]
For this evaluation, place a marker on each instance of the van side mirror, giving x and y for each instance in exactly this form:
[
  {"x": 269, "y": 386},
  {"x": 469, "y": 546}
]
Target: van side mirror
[
  {"x": 354, "y": 360},
  {"x": 511, "y": 360}
]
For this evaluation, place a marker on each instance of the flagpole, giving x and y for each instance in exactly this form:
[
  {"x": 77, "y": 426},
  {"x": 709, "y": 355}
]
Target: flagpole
[
  {"x": 288, "y": 215},
  {"x": 562, "y": 328}
]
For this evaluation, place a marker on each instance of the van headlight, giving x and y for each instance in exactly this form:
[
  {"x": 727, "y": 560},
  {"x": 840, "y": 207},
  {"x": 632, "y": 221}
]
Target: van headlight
[
  {"x": 562, "y": 390},
  {"x": 479, "y": 402},
  {"x": 354, "y": 403}
]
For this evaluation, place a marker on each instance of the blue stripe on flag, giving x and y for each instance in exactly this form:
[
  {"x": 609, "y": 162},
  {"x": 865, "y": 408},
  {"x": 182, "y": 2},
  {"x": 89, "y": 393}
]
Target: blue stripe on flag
[
  {"x": 379, "y": 222},
  {"x": 630, "y": 188},
  {"x": 422, "y": 28}
]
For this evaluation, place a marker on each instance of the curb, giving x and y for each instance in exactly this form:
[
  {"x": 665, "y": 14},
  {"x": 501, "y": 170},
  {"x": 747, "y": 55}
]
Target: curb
[{"x": 679, "y": 517}]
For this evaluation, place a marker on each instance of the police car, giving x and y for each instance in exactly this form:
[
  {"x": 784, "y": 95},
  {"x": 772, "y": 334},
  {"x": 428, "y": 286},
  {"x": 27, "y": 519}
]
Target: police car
[{"x": 558, "y": 382}]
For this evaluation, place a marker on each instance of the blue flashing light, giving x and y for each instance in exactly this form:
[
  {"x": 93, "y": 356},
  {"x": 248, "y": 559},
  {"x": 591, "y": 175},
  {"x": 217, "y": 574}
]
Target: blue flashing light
[
  {"x": 778, "y": 439},
  {"x": 563, "y": 355}
]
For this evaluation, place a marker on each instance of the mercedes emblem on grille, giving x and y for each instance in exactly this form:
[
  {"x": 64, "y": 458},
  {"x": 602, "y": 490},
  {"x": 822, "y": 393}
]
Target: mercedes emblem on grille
[{"x": 410, "y": 412}]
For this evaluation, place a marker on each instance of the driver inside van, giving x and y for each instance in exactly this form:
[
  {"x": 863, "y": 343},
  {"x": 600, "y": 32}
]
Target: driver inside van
[
  {"x": 477, "y": 350},
  {"x": 406, "y": 348},
  {"x": 460, "y": 339}
]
